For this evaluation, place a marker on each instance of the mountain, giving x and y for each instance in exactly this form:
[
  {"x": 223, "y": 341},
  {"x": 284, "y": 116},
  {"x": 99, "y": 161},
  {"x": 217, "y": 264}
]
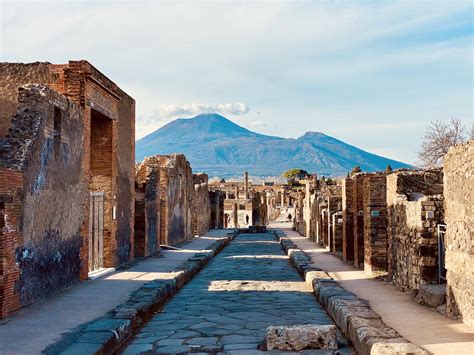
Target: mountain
[{"x": 220, "y": 147}]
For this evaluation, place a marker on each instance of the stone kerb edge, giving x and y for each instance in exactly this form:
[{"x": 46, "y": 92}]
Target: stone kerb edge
[
  {"x": 107, "y": 334},
  {"x": 365, "y": 328}
]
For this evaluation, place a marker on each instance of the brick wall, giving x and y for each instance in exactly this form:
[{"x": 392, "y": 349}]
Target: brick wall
[
  {"x": 375, "y": 223},
  {"x": 459, "y": 217},
  {"x": 348, "y": 220},
  {"x": 358, "y": 204}
]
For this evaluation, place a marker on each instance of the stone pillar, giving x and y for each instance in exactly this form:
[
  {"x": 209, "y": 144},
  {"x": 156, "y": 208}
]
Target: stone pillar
[
  {"x": 246, "y": 185},
  {"x": 235, "y": 214},
  {"x": 375, "y": 223},
  {"x": 337, "y": 225},
  {"x": 347, "y": 220},
  {"x": 459, "y": 239},
  {"x": 358, "y": 230},
  {"x": 334, "y": 204}
]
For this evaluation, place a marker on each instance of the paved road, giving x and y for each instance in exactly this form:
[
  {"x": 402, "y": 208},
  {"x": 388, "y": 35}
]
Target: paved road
[{"x": 230, "y": 303}]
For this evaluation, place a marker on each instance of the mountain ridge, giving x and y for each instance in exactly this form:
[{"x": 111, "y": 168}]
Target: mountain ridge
[{"x": 220, "y": 147}]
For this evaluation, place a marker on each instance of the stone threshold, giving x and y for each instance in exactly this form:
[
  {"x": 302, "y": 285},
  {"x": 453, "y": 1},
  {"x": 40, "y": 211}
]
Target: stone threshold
[
  {"x": 360, "y": 324},
  {"x": 109, "y": 333}
]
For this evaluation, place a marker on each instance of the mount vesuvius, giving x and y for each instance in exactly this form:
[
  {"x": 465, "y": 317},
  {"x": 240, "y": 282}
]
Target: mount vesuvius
[{"x": 219, "y": 147}]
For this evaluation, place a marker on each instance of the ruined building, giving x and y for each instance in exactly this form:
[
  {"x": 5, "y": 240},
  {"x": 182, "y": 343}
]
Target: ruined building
[
  {"x": 201, "y": 208},
  {"x": 415, "y": 209},
  {"x": 176, "y": 195},
  {"x": 77, "y": 122}
]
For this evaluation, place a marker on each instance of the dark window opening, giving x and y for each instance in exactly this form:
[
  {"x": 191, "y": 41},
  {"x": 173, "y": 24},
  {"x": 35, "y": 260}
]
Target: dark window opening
[
  {"x": 2, "y": 215},
  {"x": 57, "y": 123}
]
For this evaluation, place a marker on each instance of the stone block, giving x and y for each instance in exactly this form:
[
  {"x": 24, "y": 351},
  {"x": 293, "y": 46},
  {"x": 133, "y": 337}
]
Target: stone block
[
  {"x": 432, "y": 295},
  {"x": 296, "y": 338}
]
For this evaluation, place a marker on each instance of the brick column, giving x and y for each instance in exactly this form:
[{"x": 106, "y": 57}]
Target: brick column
[
  {"x": 347, "y": 220},
  {"x": 375, "y": 223}
]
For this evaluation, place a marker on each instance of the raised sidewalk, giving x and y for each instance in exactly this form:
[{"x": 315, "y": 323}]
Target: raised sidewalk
[
  {"x": 34, "y": 328},
  {"x": 417, "y": 323}
]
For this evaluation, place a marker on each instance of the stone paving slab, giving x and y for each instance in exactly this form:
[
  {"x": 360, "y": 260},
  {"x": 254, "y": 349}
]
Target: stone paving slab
[
  {"x": 369, "y": 334},
  {"x": 32, "y": 329},
  {"x": 229, "y": 305},
  {"x": 416, "y": 323}
]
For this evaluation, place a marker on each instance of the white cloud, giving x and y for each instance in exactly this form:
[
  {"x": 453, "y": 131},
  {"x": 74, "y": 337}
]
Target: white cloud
[
  {"x": 258, "y": 124},
  {"x": 189, "y": 110}
]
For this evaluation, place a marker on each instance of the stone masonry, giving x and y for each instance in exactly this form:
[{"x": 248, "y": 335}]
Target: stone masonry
[
  {"x": 459, "y": 240},
  {"x": 147, "y": 207},
  {"x": 201, "y": 212},
  {"x": 375, "y": 223},
  {"x": 414, "y": 208},
  {"x": 177, "y": 191},
  {"x": 40, "y": 210},
  {"x": 108, "y": 115}
]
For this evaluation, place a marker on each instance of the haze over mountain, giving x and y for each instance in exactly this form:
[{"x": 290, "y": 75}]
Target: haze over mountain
[{"x": 219, "y": 147}]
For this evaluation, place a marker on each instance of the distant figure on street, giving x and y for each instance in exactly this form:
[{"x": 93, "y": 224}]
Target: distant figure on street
[
  {"x": 289, "y": 217},
  {"x": 247, "y": 219}
]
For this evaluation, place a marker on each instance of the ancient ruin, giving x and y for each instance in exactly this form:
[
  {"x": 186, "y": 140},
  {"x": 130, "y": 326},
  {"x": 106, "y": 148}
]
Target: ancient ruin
[
  {"x": 75, "y": 206},
  {"x": 103, "y": 163}
]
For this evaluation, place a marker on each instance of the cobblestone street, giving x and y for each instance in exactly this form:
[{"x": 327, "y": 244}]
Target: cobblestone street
[{"x": 231, "y": 302}]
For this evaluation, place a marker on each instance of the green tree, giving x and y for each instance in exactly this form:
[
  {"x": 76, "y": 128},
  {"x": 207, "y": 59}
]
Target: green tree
[
  {"x": 294, "y": 173},
  {"x": 388, "y": 169}
]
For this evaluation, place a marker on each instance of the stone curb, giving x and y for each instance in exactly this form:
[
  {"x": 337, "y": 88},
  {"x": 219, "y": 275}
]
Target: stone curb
[
  {"x": 365, "y": 328},
  {"x": 107, "y": 334}
]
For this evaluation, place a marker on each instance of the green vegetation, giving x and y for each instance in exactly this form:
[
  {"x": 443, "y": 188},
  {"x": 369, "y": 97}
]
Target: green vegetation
[{"x": 294, "y": 173}]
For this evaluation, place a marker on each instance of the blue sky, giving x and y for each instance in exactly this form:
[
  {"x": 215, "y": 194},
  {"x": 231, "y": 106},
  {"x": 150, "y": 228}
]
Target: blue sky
[{"x": 371, "y": 73}]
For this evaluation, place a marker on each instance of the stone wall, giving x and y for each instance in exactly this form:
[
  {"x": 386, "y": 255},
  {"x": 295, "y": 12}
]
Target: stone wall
[
  {"x": 147, "y": 207},
  {"x": 414, "y": 209},
  {"x": 40, "y": 210},
  {"x": 177, "y": 191},
  {"x": 216, "y": 199},
  {"x": 201, "y": 204},
  {"x": 459, "y": 217}
]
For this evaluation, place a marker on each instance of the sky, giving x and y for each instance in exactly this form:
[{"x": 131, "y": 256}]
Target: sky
[{"x": 371, "y": 73}]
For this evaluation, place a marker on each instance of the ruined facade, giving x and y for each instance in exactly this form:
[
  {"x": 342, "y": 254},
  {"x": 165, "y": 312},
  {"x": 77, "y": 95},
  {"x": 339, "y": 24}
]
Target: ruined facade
[
  {"x": 106, "y": 162},
  {"x": 176, "y": 194},
  {"x": 347, "y": 203},
  {"x": 459, "y": 239},
  {"x": 216, "y": 201},
  {"x": 201, "y": 208},
  {"x": 147, "y": 207},
  {"x": 41, "y": 248},
  {"x": 414, "y": 209}
]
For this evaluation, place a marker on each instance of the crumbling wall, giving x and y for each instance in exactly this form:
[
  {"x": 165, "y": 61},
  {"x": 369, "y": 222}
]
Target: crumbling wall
[
  {"x": 40, "y": 241},
  {"x": 12, "y": 76},
  {"x": 414, "y": 209},
  {"x": 459, "y": 217},
  {"x": 201, "y": 204},
  {"x": 147, "y": 207},
  {"x": 375, "y": 223},
  {"x": 177, "y": 190},
  {"x": 216, "y": 199}
]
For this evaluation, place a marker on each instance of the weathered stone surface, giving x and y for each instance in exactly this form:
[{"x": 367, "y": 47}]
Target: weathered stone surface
[
  {"x": 415, "y": 208},
  {"x": 301, "y": 337},
  {"x": 459, "y": 240},
  {"x": 432, "y": 295}
]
